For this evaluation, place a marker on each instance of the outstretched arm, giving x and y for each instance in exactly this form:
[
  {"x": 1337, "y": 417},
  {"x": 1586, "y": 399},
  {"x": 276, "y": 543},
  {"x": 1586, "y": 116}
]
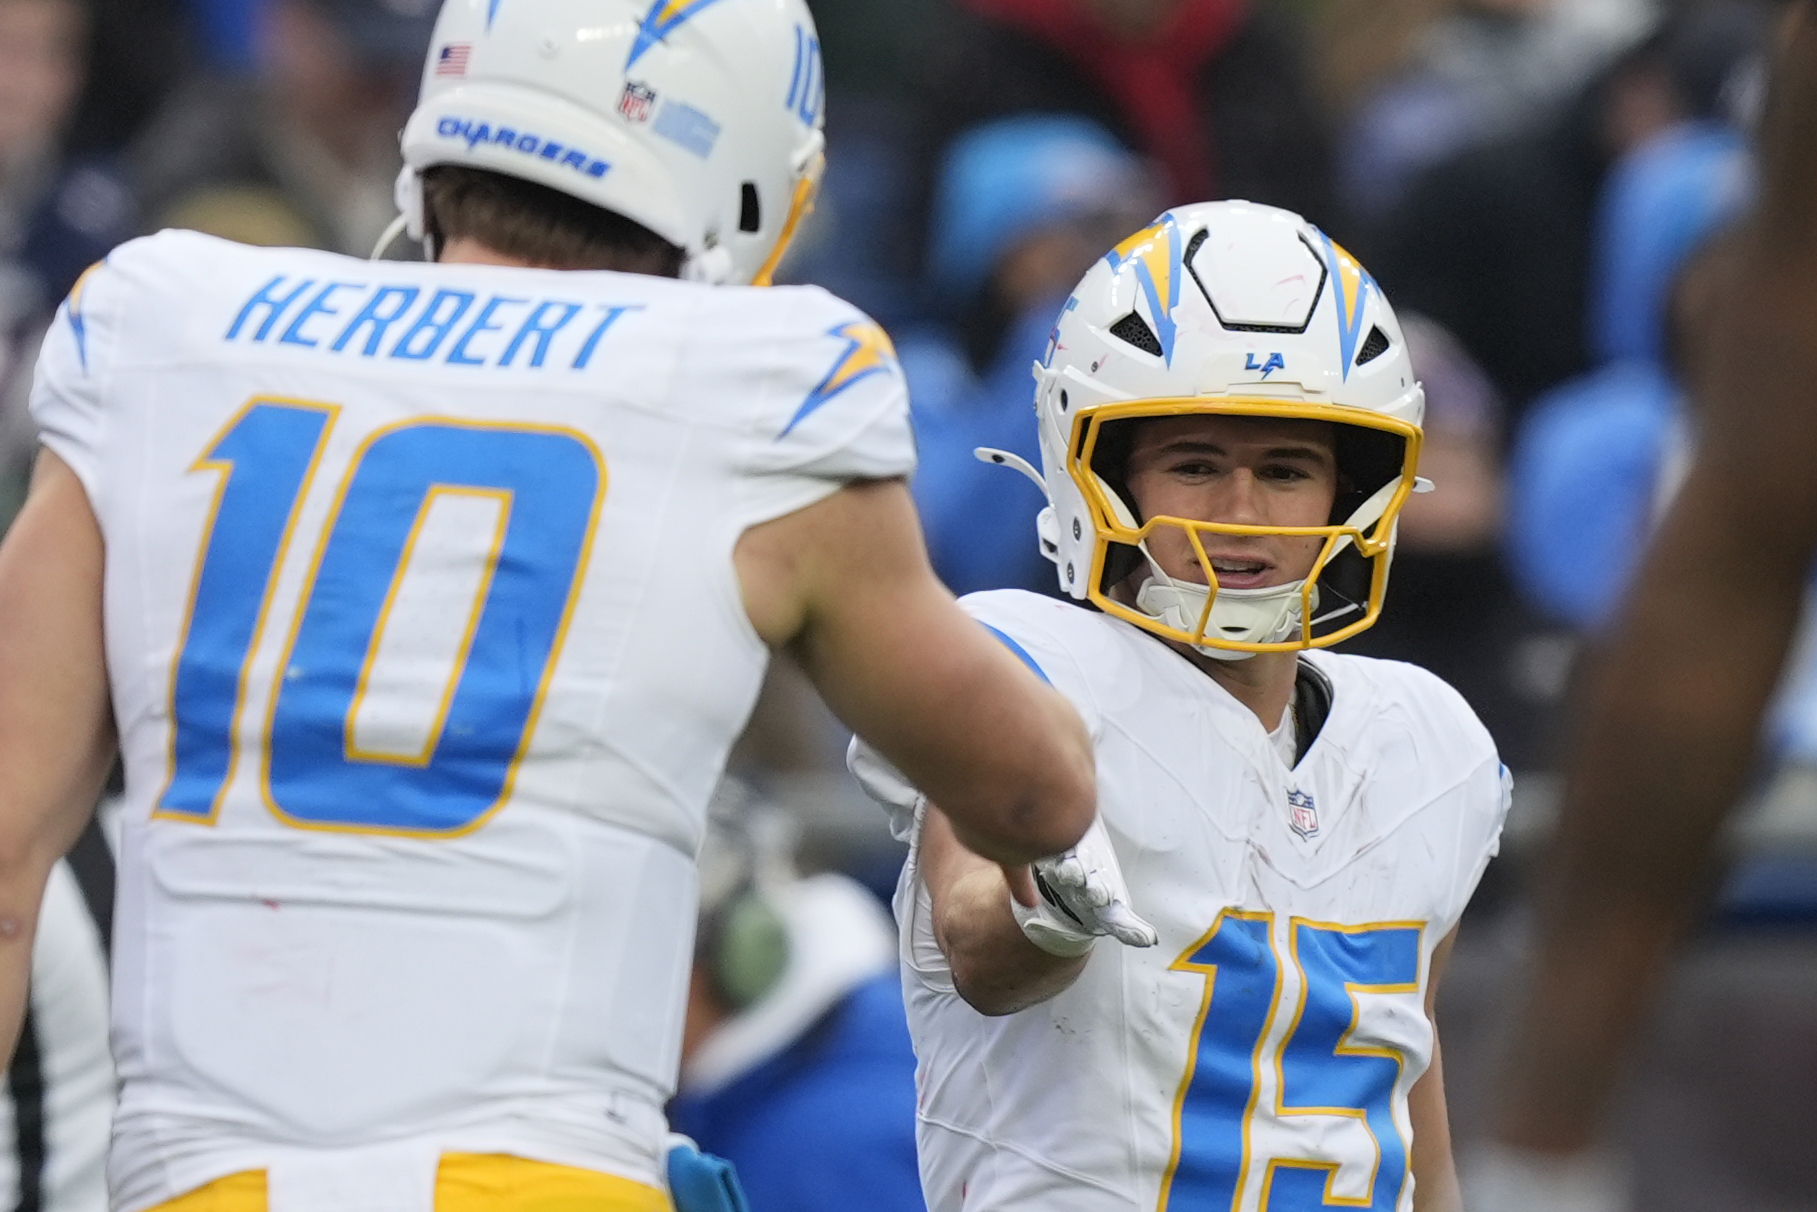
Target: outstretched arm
[
  {"x": 1674, "y": 705},
  {"x": 995, "y": 968},
  {"x": 846, "y": 586},
  {"x": 56, "y": 725}
]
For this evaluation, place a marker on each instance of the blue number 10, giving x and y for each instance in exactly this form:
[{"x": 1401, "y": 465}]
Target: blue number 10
[
  {"x": 1318, "y": 1071},
  {"x": 546, "y": 485}
]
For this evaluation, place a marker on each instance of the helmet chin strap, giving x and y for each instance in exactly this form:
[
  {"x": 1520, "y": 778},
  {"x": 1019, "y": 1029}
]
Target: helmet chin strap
[
  {"x": 1015, "y": 462},
  {"x": 392, "y": 231}
]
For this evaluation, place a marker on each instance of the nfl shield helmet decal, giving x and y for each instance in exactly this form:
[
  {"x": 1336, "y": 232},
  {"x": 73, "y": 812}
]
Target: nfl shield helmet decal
[{"x": 637, "y": 102}]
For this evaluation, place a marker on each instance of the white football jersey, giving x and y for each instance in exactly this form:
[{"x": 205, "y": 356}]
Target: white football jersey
[
  {"x": 1261, "y": 1055},
  {"x": 427, "y": 650}
]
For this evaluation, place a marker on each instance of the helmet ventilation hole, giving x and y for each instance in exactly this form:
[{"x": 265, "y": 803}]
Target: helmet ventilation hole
[
  {"x": 1064, "y": 402},
  {"x": 1374, "y": 346},
  {"x": 750, "y": 214},
  {"x": 1134, "y": 330}
]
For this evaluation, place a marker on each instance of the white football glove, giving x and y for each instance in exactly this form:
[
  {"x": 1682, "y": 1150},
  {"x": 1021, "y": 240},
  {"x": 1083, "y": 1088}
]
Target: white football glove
[{"x": 1083, "y": 898}]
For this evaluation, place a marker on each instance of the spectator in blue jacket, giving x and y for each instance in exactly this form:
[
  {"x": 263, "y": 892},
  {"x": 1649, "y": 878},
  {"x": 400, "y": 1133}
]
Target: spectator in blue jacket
[
  {"x": 796, "y": 1060},
  {"x": 1024, "y": 206}
]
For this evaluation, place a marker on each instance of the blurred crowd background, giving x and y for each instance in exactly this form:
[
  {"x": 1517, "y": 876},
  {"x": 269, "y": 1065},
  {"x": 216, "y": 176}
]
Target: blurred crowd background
[{"x": 1540, "y": 186}]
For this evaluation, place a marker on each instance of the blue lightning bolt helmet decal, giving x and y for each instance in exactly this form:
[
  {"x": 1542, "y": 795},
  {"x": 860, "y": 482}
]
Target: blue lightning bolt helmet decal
[
  {"x": 1350, "y": 286},
  {"x": 868, "y": 351},
  {"x": 664, "y": 17},
  {"x": 492, "y": 11},
  {"x": 1155, "y": 253}
]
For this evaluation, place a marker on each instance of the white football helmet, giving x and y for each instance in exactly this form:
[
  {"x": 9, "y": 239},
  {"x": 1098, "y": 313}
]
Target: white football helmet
[
  {"x": 1235, "y": 309},
  {"x": 702, "y": 120}
]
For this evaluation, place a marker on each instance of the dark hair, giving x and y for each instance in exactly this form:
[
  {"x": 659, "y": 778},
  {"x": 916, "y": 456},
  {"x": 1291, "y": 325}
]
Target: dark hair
[{"x": 542, "y": 226}]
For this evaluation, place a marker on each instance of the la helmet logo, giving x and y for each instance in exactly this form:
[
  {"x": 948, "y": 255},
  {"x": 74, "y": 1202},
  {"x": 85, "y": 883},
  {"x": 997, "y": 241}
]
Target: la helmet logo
[
  {"x": 1275, "y": 362},
  {"x": 1303, "y": 815},
  {"x": 637, "y": 102}
]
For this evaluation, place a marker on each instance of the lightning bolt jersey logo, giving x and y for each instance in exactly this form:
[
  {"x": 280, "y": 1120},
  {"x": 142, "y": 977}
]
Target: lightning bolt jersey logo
[
  {"x": 664, "y": 17},
  {"x": 72, "y": 311},
  {"x": 868, "y": 351},
  {"x": 1351, "y": 285},
  {"x": 1155, "y": 255}
]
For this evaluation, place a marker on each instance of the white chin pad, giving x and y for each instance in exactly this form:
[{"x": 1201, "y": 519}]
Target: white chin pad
[{"x": 1242, "y": 616}]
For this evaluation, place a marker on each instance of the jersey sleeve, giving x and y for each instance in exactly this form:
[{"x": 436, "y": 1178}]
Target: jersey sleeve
[
  {"x": 1482, "y": 796},
  {"x": 1488, "y": 794},
  {"x": 887, "y": 785},
  {"x": 834, "y": 407},
  {"x": 1038, "y": 631},
  {"x": 69, "y": 390}
]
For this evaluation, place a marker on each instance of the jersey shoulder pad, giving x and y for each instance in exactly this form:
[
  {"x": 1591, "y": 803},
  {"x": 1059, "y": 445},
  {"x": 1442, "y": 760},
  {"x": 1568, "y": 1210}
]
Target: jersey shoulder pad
[
  {"x": 146, "y": 302},
  {"x": 813, "y": 389},
  {"x": 833, "y": 400},
  {"x": 1420, "y": 701},
  {"x": 77, "y": 358},
  {"x": 1416, "y": 731},
  {"x": 1066, "y": 645}
]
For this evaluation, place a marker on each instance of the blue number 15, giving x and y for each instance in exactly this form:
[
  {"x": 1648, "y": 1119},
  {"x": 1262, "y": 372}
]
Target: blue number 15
[
  {"x": 1320, "y": 1072},
  {"x": 547, "y": 485}
]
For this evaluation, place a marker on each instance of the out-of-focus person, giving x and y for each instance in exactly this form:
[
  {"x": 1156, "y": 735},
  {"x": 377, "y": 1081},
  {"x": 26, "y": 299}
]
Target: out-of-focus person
[
  {"x": 304, "y": 150},
  {"x": 59, "y": 212},
  {"x": 1216, "y": 92},
  {"x": 413, "y": 931},
  {"x": 57, "y": 1109},
  {"x": 1475, "y": 70},
  {"x": 1025, "y": 205},
  {"x": 796, "y": 1064},
  {"x": 1673, "y": 708},
  {"x": 1230, "y": 426},
  {"x": 1496, "y": 241}
]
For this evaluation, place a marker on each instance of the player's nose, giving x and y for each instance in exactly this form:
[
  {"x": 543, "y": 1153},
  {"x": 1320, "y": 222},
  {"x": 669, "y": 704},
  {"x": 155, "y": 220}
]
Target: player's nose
[{"x": 1241, "y": 504}]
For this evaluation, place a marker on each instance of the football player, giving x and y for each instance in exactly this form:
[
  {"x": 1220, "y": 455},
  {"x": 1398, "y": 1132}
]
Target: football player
[
  {"x": 1671, "y": 720},
  {"x": 1230, "y": 427},
  {"x": 425, "y": 601}
]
